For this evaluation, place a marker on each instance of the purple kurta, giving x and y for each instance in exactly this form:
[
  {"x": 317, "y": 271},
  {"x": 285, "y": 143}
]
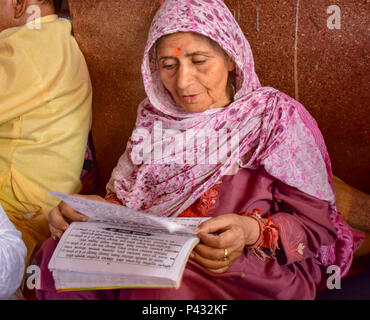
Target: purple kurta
[{"x": 304, "y": 225}]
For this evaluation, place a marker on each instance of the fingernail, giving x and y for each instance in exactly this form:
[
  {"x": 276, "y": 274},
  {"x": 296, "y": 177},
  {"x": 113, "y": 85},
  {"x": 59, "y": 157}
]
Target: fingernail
[
  {"x": 65, "y": 228},
  {"x": 85, "y": 219},
  {"x": 196, "y": 229},
  {"x": 54, "y": 237},
  {"x": 192, "y": 255}
]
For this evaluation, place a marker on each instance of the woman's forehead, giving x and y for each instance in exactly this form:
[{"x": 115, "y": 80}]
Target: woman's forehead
[{"x": 185, "y": 41}]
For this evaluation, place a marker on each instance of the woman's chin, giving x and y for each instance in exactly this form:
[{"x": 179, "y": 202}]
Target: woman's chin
[
  {"x": 195, "y": 110},
  {"x": 200, "y": 108},
  {"x": 197, "y": 107}
]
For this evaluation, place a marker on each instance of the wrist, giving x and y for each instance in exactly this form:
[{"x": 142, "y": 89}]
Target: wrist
[
  {"x": 267, "y": 242},
  {"x": 252, "y": 230}
]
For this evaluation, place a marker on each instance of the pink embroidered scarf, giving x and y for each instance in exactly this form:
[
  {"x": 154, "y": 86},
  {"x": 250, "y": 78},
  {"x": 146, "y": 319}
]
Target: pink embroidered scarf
[{"x": 268, "y": 129}]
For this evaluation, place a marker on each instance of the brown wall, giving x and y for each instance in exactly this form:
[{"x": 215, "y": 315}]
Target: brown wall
[{"x": 326, "y": 70}]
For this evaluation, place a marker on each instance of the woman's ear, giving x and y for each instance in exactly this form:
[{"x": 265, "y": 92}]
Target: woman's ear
[
  {"x": 230, "y": 64},
  {"x": 20, "y": 7}
]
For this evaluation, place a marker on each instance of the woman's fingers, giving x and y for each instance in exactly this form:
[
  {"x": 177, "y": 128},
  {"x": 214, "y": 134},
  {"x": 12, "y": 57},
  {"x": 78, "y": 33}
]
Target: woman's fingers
[
  {"x": 58, "y": 216},
  {"x": 63, "y": 213},
  {"x": 210, "y": 253},
  {"x": 216, "y": 236},
  {"x": 56, "y": 219},
  {"x": 209, "y": 264},
  {"x": 70, "y": 213},
  {"x": 224, "y": 254},
  {"x": 226, "y": 239},
  {"x": 73, "y": 215},
  {"x": 214, "y": 259},
  {"x": 222, "y": 241},
  {"x": 216, "y": 224},
  {"x": 221, "y": 270},
  {"x": 55, "y": 233}
]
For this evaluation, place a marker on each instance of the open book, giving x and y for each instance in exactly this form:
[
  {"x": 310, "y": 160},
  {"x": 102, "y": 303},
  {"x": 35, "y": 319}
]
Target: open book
[{"x": 121, "y": 248}]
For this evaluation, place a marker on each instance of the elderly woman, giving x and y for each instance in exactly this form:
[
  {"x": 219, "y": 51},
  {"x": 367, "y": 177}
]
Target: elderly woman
[{"x": 274, "y": 226}]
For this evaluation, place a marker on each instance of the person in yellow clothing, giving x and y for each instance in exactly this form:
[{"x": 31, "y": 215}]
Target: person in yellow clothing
[{"x": 45, "y": 114}]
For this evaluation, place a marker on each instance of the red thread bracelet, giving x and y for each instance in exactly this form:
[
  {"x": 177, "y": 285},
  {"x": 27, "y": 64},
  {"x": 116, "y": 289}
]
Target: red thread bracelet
[{"x": 269, "y": 234}]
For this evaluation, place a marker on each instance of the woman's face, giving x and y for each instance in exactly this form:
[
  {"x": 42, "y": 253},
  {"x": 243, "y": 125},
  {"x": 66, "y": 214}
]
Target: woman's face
[{"x": 194, "y": 71}]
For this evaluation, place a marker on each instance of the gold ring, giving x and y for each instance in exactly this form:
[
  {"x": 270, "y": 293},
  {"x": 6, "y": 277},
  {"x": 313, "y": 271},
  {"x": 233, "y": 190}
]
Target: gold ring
[{"x": 226, "y": 255}]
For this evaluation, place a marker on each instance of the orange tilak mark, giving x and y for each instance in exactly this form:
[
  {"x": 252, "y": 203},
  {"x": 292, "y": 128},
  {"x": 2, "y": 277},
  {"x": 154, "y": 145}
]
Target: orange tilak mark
[{"x": 176, "y": 52}]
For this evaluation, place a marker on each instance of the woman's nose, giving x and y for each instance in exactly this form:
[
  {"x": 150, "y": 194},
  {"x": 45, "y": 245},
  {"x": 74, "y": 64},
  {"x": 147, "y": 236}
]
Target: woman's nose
[{"x": 184, "y": 77}]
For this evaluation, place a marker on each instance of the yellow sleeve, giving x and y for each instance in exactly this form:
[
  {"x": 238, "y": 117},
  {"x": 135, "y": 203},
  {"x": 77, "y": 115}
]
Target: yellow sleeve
[{"x": 21, "y": 86}]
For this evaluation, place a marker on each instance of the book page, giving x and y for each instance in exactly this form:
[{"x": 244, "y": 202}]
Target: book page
[
  {"x": 132, "y": 249},
  {"x": 117, "y": 214},
  {"x": 67, "y": 281},
  {"x": 187, "y": 222}
]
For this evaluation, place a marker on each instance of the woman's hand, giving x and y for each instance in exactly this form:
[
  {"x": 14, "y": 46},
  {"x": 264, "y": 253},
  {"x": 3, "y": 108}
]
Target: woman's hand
[
  {"x": 233, "y": 233},
  {"x": 63, "y": 214}
]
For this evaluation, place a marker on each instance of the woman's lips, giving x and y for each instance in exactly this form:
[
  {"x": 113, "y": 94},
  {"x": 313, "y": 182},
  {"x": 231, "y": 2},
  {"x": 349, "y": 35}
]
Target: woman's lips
[{"x": 191, "y": 98}]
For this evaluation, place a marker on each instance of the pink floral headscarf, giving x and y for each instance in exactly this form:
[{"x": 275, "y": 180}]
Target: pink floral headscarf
[{"x": 274, "y": 131}]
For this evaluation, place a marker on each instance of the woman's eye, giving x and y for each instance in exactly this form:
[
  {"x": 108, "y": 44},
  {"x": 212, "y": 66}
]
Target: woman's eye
[
  {"x": 168, "y": 66},
  {"x": 199, "y": 61}
]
